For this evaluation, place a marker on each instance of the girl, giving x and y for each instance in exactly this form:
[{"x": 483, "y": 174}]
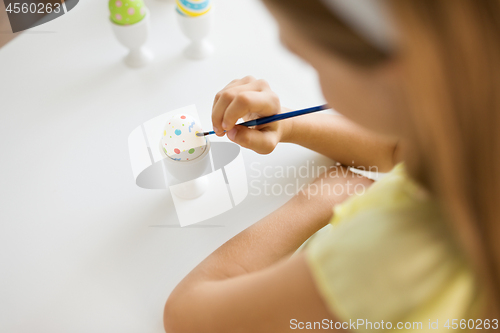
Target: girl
[{"x": 417, "y": 82}]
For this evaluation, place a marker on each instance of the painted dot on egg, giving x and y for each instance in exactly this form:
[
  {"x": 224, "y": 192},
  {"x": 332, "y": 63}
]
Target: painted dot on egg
[
  {"x": 191, "y": 150},
  {"x": 183, "y": 117},
  {"x": 118, "y": 17},
  {"x": 118, "y": 3},
  {"x": 178, "y": 132},
  {"x": 164, "y": 133},
  {"x": 131, "y": 11},
  {"x": 177, "y": 151}
]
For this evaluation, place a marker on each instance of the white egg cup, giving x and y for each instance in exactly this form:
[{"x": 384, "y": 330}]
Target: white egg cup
[
  {"x": 189, "y": 173},
  {"x": 197, "y": 29},
  {"x": 133, "y": 37}
]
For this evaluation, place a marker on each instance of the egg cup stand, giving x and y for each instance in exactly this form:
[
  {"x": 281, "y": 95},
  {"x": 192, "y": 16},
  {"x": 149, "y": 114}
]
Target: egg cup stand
[
  {"x": 225, "y": 170},
  {"x": 197, "y": 30},
  {"x": 133, "y": 37},
  {"x": 192, "y": 183}
]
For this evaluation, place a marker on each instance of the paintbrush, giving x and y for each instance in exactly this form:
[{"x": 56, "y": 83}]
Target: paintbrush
[{"x": 275, "y": 117}]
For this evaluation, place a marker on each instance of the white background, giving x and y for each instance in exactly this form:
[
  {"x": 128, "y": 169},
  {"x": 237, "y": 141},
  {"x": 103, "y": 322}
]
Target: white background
[{"x": 82, "y": 248}]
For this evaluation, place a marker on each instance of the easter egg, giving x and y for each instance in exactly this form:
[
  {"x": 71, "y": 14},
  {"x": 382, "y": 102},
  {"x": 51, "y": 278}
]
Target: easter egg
[
  {"x": 193, "y": 8},
  {"x": 126, "y": 12},
  {"x": 179, "y": 141}
]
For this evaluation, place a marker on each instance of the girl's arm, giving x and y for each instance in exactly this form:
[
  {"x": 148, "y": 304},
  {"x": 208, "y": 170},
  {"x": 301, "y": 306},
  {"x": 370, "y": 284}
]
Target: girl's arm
[
  {"x": 342, "y": 140},
  {"x": 331, "y": 135},
  {"x": 248, "y": 285}
]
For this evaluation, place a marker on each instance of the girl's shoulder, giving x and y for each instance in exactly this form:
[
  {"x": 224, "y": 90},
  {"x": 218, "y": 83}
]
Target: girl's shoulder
[
  {"x": 394, "y": 191},
  {"x": 388, "y": 255}
]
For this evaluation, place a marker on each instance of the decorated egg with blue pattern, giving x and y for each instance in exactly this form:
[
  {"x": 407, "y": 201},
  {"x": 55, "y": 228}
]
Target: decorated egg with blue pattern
[
  {"x": 179, "y": 141},
  {"x": 193, "y": 8}
]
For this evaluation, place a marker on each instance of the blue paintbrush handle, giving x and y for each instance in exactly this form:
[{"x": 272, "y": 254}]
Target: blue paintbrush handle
[
  {"x": 281, "y": 116},
  {"x": 276, "y": 117}
]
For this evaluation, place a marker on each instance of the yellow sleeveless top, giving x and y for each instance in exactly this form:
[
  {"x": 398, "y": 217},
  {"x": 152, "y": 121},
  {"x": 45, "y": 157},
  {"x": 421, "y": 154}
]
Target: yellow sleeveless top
[{"x": 387, "y": 255}]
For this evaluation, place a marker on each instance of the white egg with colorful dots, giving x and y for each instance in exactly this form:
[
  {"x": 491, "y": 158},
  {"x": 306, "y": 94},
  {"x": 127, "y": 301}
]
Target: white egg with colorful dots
[{"x": 180, "y": 142}]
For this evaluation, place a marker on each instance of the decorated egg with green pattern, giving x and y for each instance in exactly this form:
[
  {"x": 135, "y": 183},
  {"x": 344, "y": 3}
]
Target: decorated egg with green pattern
[
  {"x": 179, "y": 141},
  {"x": 125, "y": 12}
]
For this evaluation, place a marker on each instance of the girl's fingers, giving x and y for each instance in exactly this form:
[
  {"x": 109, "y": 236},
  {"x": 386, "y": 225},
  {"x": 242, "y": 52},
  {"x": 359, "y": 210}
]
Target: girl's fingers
[
  {"x": 224, "y": 98},
  {"x": 264, "y": 103},
  {"x": 234, "y": 83},
  {"x": 262, "y": 142}
]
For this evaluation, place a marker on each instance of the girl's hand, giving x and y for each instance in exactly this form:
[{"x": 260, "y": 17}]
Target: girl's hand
[{"x": 249, "y": 99}]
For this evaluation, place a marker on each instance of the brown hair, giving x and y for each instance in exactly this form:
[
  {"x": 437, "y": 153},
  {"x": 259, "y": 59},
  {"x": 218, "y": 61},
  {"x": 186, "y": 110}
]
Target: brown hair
[
  {"x": 318, "y": 24},
  {"x": 450, "y": 52}
]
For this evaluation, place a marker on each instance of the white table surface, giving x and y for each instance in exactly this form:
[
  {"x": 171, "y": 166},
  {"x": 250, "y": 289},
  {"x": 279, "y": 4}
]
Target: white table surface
[{"x": 82, "y": 248}]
